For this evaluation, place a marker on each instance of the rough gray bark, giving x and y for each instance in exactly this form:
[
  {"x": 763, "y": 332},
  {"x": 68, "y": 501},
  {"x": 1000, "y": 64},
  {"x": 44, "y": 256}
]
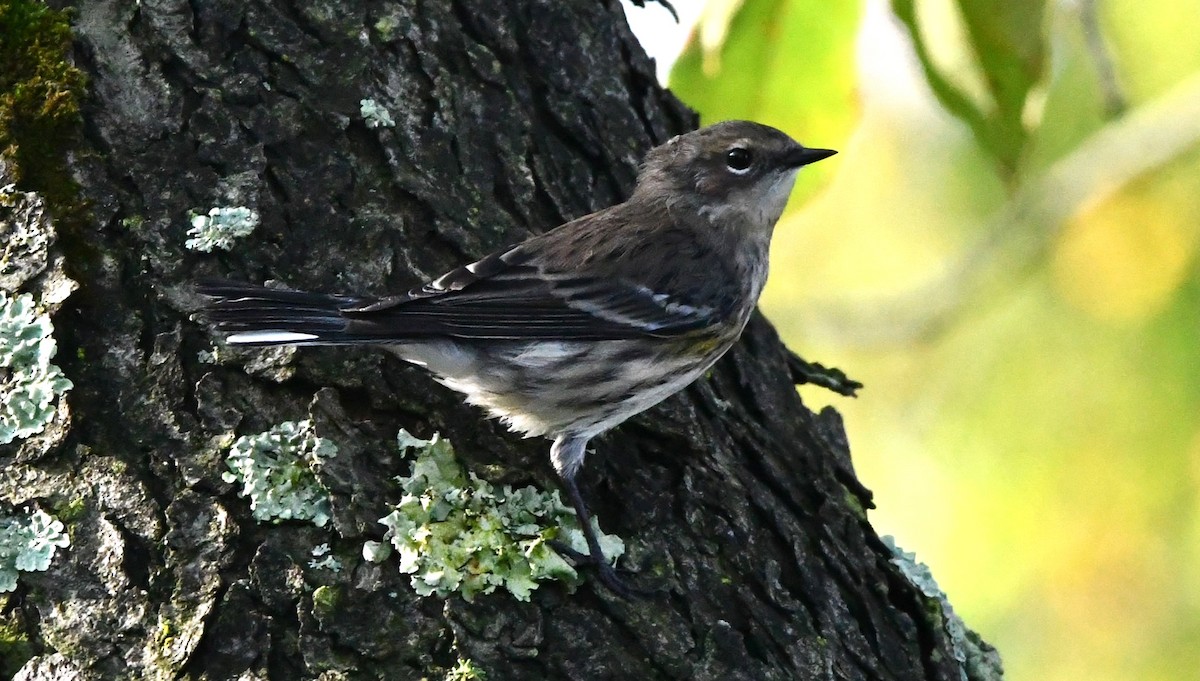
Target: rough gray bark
[{"x": 511, "y": 117}]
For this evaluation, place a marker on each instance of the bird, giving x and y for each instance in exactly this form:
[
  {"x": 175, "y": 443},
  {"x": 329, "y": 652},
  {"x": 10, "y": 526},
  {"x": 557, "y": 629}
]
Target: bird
[{"x": 573, "y": 331}]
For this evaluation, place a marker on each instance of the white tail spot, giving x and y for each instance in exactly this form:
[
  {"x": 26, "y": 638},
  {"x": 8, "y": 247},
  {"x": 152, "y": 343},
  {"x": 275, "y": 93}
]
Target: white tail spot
[{"x": 281, "y": 337}]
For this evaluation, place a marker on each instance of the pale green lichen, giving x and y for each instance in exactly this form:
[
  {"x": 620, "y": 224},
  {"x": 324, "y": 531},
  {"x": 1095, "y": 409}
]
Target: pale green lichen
[
  {"x": 977, "y": 660},
  {"x": 386, "y": 27},
  {"x": 29, "y": 384},
  {"x": 456, "y": 533},
  {"x": 375, "y": 115},
  {"x": 323, "y": 559},
  {"x": 277, "y": 471},
  {"x": 27, "y": 544},
  {"x": 466, "y": 670},
  {"x": 220, "y": 228}
]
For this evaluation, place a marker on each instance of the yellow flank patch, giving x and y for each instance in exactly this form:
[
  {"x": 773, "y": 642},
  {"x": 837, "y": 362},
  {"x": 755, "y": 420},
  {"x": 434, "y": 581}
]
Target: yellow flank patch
[{"x": 703, "y": 345}]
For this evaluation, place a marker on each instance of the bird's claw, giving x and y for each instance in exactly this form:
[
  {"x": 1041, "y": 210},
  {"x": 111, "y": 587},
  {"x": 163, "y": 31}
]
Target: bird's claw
[
  {"x": 607, "y": 575},
  {"x": 562, "y": 549},
  {"x": 605, "y": 572}
]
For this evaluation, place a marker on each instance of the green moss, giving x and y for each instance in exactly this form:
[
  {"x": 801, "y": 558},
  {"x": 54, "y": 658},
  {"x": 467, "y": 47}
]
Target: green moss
[
  {"x": 70, "y": 511},
  {"x": 386, "y": 27},
  {"x": 39, "y": 101},
  {"x": 15, "y": 649},
  {"x": 165, "y": 637},
  {"x": 854, "y": 503},
  {"x": 325, "y": 600}
]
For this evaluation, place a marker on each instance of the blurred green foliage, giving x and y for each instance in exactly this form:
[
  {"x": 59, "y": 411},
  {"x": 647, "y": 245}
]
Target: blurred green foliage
[
  {"x": 767, "y": 43},
  {"x": 1007, "y": 43},
  {"x": 1005, "y": 253}
]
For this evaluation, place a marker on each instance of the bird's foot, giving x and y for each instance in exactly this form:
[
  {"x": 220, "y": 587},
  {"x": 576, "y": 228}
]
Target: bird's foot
[
  {"x": 605, "y": 572},
  {"x": 562, "y": 549},
  {"x": 813, "y": 373},
  {"x": 607, "y": 575}
]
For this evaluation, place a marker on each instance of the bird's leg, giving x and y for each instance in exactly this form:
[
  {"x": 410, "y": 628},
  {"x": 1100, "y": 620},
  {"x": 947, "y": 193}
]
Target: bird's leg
[
  {"x": 604, "y": 569},
  {"x": 567, "y": 454}
]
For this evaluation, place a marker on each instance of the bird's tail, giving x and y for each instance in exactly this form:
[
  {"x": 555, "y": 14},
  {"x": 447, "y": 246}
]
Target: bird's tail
[{"x": 261, "y": 316}]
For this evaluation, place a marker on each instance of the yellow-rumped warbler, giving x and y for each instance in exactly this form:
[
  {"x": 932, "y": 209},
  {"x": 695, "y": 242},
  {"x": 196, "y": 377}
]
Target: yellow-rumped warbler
[{"x": 573, "y": 331}]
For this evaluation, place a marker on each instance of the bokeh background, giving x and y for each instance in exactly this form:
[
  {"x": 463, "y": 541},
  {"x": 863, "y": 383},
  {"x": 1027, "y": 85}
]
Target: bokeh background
[{"x": 1004, "y": 252}]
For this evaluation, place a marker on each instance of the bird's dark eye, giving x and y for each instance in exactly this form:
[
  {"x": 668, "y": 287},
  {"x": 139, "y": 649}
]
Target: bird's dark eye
[{"x": 739, "y": 159}]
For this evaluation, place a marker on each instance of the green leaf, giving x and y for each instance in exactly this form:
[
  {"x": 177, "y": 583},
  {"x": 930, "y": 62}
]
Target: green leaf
[
  {"x": 1009, "y": 44},
  {"x": 785, "y": 63}
]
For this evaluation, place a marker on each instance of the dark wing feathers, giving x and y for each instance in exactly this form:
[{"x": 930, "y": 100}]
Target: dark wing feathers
[
  {"x": 502, "y": 296},
  {"x": 456, "y": 279},
  {"x": 521, "y": 302}
]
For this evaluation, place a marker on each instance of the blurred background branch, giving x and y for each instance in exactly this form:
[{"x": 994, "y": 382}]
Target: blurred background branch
[
  {"x": 1018, "y": 236},
  {"x": 1114, "y": 99}
]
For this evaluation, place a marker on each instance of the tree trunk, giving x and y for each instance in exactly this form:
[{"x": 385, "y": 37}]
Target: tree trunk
[{"x": 510, "y": 117}]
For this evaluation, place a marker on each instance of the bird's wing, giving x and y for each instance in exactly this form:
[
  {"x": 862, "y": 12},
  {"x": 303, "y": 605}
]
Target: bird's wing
[{"x": 508, "y": 295}]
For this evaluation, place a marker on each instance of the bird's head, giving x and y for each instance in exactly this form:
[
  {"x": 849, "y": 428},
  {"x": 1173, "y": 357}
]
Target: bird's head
[{"x": 737, "y": 173}]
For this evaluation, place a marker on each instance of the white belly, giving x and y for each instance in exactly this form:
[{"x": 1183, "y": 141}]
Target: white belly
[{"x": 552, "y": 388}]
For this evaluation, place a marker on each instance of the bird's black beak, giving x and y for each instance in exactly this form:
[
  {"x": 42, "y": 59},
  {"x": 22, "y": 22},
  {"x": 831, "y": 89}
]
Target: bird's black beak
[{"x": 802, "y": 156}]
